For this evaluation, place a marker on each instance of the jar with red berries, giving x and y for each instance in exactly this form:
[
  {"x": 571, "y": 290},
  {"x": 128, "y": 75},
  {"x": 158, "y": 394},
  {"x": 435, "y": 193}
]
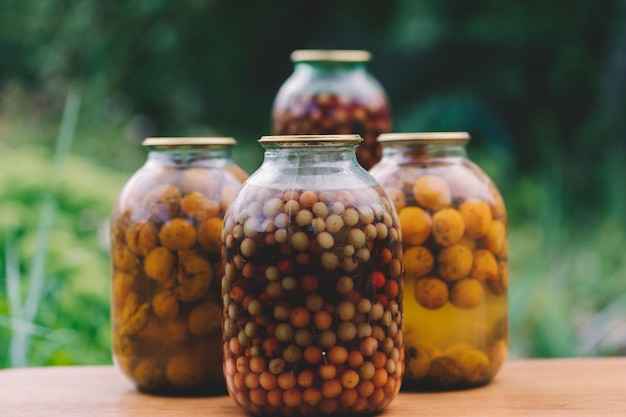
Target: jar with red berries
[
  {"x": 311, "y": 285},
  {"x": 165, "y": 255},
  {"x": 332, "y": 92},
  {"x": 454, "y": 229}
]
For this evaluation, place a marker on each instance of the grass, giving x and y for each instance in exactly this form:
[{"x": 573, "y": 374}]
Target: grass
[
  {"x": 568, "y": 272},
  {"x": 53, "y": 257},
  {"x": 566, "y": 293},
  {"x": 23, "y": 312}
]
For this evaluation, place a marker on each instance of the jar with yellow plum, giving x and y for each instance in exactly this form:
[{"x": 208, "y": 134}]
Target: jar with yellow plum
[
  {"x": 454, "y": 229},
  {"x": 312, "y": 284},
  {"x": 165, "y": 256}
]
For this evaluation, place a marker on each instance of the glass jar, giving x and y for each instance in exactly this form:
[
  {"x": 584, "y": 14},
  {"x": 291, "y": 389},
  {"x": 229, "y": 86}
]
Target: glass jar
[
  {"x": 312, "y": 287},
  {"x": 165, "y": 252},
  {"x": 454, "y": 230},
  {"x": 332, "y": 92}
]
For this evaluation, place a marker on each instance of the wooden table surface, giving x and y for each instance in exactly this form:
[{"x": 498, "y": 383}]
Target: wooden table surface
[{"x": 538, "y": 387}]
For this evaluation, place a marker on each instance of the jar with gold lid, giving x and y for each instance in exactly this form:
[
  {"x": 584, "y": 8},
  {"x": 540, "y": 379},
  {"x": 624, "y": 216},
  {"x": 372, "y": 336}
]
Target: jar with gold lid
[
  {"x": 333, "y": 92},
  {"x": 454, "y": 229},
  {"x": 312, "y": 284},
  {"x": 165, "y": 253}
]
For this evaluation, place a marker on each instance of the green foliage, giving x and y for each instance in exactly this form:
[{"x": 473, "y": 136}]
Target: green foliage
[
  {"x": 71, "y": 325},
  {"x": 531, "y": 77}
]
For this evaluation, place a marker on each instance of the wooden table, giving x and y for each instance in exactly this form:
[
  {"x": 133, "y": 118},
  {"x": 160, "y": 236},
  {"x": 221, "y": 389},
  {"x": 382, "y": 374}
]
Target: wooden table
[{"x": 547, "y": 387}]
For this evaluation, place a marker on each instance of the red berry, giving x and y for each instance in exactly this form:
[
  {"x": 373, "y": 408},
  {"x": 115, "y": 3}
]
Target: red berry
[
  {"x": 377, "y": 279},
  {"x": 285, "y": 266},
  {"x": 382, "y": 299}
]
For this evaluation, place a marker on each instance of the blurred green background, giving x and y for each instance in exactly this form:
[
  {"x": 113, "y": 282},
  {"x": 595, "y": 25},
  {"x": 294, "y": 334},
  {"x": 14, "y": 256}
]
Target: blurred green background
[{"x": 541, "y": 87}]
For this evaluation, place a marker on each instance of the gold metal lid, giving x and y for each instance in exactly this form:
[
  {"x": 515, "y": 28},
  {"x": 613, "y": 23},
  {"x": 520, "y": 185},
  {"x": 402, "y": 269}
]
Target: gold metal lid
[
  {"x": 426, "y": 137},
  {"x": 330, "y": 55},
  {"x": 190, "y": 141},
  {"x": 318, "y": 139}
]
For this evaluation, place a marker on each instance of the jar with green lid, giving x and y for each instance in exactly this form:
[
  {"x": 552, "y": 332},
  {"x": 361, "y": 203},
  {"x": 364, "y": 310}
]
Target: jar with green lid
[
  {"x": 312, "y": 287},
  {"x": 454, "y": 229},
  {"x": 332, "y": 92},
  {"x": 165, "y": 256}
]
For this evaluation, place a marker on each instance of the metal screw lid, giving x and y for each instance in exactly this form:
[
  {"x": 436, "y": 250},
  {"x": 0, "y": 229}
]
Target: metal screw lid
[
  {"x": 426, "y": 137},
  {"x": 318, "y": 139},
  {"x": 331, "y": 55},
  {"x": 190, "y": 141}
]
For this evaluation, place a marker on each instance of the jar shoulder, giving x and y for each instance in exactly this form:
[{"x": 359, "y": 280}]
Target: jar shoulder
[
  {"x": 316, "y": 177},
  {"x": 215, "y": 182},
  {"x": 351, "y": 83},
  {"x": 463, "y": 177}
]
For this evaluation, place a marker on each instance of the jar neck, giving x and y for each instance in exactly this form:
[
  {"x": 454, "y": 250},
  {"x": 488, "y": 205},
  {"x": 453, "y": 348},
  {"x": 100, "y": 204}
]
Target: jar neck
[
  {"x": 311, "y": 165},
  {"x": 208, "y": 156},
  {"x": 419, "y": 150},
  {"x": 310, "y": 155}
]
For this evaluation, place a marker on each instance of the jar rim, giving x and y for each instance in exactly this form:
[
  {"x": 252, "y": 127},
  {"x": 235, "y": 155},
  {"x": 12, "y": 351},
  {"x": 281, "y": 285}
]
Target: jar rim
[
  {"x": 426, "y": 137},
  {"x": 309, "y": 139},
  {"x": 331, "y": 55},
  {"x": 190, "y": 141}
]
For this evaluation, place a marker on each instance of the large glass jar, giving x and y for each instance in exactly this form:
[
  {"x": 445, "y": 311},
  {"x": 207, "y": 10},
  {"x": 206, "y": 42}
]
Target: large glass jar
[
  {"x": 454, "y": 230},
  {"x": 312, "y": 287},
  {"x": 332, "y": 92},
  {"x": 165, "y": 252}
]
